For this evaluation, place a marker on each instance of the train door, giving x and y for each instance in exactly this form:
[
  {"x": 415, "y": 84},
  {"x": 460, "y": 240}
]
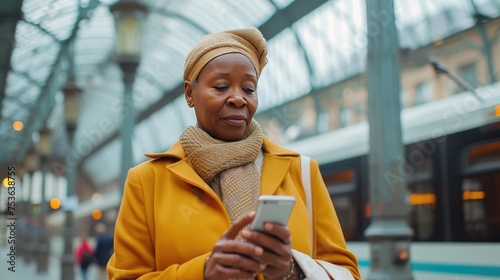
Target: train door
[
  {"x": 480, "y": 188},
  {"x": 344, "y": 181},
  {"x": 421, "y": 186}
]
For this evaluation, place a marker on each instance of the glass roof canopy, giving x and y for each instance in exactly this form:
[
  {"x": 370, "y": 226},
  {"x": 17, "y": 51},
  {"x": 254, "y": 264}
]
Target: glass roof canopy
[{"x": 312, "y": 44}]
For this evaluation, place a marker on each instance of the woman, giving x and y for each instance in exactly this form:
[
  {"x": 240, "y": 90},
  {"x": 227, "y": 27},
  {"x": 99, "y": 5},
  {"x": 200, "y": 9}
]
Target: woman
[
  {"x": 83, "y": 256},
  {"x": 185, "y": 214}
]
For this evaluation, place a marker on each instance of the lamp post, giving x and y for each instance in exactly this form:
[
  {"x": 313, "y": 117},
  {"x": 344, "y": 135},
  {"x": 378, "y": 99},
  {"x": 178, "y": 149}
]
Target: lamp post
[
  {"x": 44, "y": 148},
  {"x": 388, "y": 233},
  {"x": 32, "y": 163},
  {"x": 129, "y": 17},
  {"x": 71, "y": 109}
]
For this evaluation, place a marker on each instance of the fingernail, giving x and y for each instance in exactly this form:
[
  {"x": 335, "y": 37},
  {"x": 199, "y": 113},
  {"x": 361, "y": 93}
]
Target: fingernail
[
  {"x": 262, "y": 266},
  {"x": 269, "y": 226},
  {"x": 245, "y": 234},
  {"x": 259, "y": 251}
]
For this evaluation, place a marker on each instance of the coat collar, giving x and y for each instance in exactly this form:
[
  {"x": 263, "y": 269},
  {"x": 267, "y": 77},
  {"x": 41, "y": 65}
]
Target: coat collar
[
  {"x": 176, "y": 151},
  {"x": 277, "y": 161}
]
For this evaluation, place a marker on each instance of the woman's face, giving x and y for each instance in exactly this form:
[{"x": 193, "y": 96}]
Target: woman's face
[{"x": 225, "y": 97}]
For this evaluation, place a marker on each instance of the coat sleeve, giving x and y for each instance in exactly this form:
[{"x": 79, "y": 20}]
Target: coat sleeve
[
  {"x": 134, "y": 250},
  {"x": 329, "y": 240}
]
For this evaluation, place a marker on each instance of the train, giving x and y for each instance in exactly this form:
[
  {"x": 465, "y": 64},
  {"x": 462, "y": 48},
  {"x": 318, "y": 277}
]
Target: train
[{"x": 451, "y": 159}]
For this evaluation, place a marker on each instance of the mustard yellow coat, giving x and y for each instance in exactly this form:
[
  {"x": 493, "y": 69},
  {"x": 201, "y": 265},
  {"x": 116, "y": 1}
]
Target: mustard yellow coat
[{"x": 170, "y": 219}]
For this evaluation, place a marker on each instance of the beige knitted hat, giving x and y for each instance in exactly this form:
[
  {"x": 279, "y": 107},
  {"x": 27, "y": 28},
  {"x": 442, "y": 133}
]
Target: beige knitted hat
[{"x": 248, "y": 41}]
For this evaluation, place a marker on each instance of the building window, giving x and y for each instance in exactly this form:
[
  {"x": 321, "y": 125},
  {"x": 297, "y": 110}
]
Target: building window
[
  {"x": 468, "y": 73},
  {"x": 323, "y": 120},
  {"x": 361, "y": 111},
  {"x": 403, "y": 98},
  {"x": 423, "y": 93},
  {"x": 345, "y": 116}
]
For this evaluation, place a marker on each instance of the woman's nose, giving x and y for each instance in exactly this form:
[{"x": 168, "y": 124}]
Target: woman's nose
[{"x": 237, "y": 100}]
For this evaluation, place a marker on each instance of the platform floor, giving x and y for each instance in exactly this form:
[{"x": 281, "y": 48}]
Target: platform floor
[{"x": 28, "y": 271}]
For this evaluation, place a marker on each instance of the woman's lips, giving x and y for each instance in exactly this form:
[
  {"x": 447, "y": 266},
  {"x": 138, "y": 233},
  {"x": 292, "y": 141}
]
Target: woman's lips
[{"x": 236, "y": 122}]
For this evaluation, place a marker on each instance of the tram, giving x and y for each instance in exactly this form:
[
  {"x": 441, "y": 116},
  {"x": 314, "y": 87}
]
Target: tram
[{"x": 452, "y": 172}]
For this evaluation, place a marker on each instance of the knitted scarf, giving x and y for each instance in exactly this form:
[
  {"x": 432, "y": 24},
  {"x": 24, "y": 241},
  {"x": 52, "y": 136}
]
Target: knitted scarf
[{"x": 229, "y": 168}]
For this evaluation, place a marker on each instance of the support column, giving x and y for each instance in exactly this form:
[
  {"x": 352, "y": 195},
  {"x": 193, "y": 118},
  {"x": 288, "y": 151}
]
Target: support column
[
  {"x": 129, "y": 68},
  {"x": 71, "y": 110},
  {"x": 42, "y": 258},
  {"x": 68, "y": 261},
  {"x": 389, "y": 234},
  {"x": 129, "y": 18},
  {"x": 31, "y": 226}
]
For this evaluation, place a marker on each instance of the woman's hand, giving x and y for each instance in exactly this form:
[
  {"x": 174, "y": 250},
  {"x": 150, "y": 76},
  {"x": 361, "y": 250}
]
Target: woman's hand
[
  {"x": 233, "y": 258},
  {"x": 277, "y": 249}
]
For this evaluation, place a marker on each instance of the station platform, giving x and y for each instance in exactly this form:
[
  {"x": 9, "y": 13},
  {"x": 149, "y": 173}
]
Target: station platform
[{"x": 28, "y": 271}]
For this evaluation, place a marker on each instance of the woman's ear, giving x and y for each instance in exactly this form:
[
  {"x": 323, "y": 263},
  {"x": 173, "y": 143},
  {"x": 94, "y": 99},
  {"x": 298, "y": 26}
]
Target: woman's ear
[
  {"x": 188, "y": 88},
  {"x": 188, "y": 93}
]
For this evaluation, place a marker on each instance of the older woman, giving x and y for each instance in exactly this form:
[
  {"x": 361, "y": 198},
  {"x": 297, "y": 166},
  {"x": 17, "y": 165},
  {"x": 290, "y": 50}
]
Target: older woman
[{"x": 185, "y": 213}]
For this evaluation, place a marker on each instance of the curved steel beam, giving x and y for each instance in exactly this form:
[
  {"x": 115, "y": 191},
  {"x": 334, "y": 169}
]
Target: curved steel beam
[
  {"x": 40, "y": 115},
  {"x": 45, "y": 31},
  {"x": 10, "y": 14}
]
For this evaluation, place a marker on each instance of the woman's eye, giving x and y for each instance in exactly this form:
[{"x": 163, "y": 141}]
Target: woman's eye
[
  {"x": 221, "y": 88},
  {"x": 249, "y": 90}
]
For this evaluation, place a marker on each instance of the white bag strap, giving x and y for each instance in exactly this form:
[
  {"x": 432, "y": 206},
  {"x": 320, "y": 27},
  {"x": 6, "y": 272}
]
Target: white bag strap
[
  {"x": 305, "y": 169},
  {"x": 315, "y": 269}
]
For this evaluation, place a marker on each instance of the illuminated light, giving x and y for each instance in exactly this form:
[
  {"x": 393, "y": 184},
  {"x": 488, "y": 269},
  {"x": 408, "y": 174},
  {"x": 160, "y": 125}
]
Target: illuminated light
[
  {"x": 403, "y": 254},
  {"x": 55, "y": 203},
  {"x": 6, "y": 182},
  {"x": 473, "y": 195},
  {"x": 497, "y": 110},
  {"x": 18, "y": 125},
  {"x": 422, "y": 198},
  {"x": 96, "y": 214}
]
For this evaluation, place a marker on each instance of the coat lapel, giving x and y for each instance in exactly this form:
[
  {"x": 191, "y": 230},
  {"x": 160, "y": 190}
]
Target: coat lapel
[
  {"x": 273, "y": 172},
  {"x": 185, "y": 172}
]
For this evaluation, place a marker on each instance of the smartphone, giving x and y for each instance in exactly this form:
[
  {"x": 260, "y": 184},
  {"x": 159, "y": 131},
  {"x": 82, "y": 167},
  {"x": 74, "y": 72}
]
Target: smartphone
[{"x": 272, "y": 208}]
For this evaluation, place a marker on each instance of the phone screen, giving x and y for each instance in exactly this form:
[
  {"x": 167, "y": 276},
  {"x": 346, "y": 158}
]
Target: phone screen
[{"x": 273, "y": 208}]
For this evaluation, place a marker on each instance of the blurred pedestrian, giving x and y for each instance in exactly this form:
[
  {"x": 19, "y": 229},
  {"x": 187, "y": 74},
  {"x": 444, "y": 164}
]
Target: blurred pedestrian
[
  {"x": 103, "y": 249},
  {"x": 83, "y": 256}
]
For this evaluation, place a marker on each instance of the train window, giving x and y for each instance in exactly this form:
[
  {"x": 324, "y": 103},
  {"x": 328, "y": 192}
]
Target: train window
[
  {"x": 423, "y": 210},
  {"x": 422, "y": 199},
  {"x": 341, "y": 186},
  {"x": 481, "y": 192},
  {"x": 483, "y": 155}
]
